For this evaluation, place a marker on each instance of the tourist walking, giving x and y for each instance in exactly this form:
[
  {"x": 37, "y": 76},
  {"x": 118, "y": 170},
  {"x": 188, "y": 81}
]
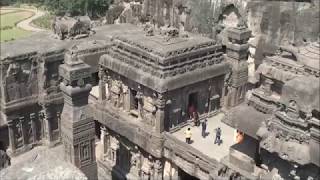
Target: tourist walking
[
  {"x": 218, "y": 136},
  {"x": 188, "y": 135},
  {"x": 204, "y": 127}
]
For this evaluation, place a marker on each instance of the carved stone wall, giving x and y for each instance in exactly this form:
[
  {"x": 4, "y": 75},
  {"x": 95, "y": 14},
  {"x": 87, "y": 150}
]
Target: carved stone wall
[
  {"x": 208, "y": 97},
  {"x": 129, "y": 160}
]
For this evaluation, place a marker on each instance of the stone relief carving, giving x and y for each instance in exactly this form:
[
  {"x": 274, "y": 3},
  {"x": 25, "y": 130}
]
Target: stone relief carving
[
  {"x": 20, "y": 80},
  {"x": 112, "y": 151},
  {"x": 158, "y": 169},
  {"x": 149, "y": 110},
  {"x": 116, "y": 93},
  {"x": 135, "y": 161},
  {"x": 147, "y": 168}
]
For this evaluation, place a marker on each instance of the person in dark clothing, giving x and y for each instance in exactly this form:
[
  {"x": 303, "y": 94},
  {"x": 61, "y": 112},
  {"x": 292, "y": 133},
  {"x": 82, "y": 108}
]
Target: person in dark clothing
[
  {"x": 196, "y": 119},
  {"x": 218, "y": 136},
  {"x": 204, "y": 127}
]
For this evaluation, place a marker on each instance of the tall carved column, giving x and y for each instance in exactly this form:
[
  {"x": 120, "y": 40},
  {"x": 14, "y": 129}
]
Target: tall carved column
[
  {"x": 126, "y": 98},
  {"x": 77, "y": 126},
  {"x": 104, "y": 141},
  {"x": 102, "y": 85},
  {"x": 33, "y": 127},
  {"x": 12, "y": 139},
  {"x": 159, "y": 123},
  {"x": 47, "y": 120},
  {"x": 23, "y": 131},
  {"x": 109, "y": 82},
  {"x": 139, "y": 96}
]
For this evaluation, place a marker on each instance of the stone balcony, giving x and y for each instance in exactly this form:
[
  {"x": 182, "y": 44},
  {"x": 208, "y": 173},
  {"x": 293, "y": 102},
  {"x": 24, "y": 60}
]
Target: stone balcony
[{"x": 128, "y": 126}]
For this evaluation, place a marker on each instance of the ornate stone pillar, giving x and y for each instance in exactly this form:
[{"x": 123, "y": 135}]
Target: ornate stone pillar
[
  {"x": 109, "y": 82},
  {"x": 102, "y": 85},
  {"x": 23, "y": 131},
  {"x": 224, "y": 95},
  {"x": 33, "y": 127},
  {"x": 126, "y": 99},
  {"x": 47, "y": 125},
  {"x": 159, "y": 123},
  {"x": 12, "y": 139},
  {"x": 104, "y": 140},
  {"x": 76, "y": 87},
  {"x": 139, "y": 96},
  {"x": 59, "y": 124}
]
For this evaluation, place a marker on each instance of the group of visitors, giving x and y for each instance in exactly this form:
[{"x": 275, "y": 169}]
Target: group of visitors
[{"x": 204, "y": 124}]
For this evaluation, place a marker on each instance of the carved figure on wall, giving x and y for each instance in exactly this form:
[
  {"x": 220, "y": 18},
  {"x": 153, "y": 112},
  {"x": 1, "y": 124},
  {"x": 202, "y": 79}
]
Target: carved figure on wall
[
  {"x": 293, "y": 110},
  {"x": 149, "y": 110},
  {"x": 149, "y": 29},
  {"x": 19, "y": 135},
  {"x": 116, "y": 93},
  {"x": 158, "y": 168},
  {"x": 114, "y": 146},
  {"x": 16, "y": 82},
  {"x": 32, "y": 80},
  {"x": 135, "y": 161},
  {"x": 147, "y": 169}
]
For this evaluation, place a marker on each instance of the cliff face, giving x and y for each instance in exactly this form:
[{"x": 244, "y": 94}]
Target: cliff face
[{"x": 272, "y": 22}]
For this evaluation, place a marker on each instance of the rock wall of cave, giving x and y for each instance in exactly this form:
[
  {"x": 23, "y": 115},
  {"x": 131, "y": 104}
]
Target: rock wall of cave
[{"x": 273, "y": 23}]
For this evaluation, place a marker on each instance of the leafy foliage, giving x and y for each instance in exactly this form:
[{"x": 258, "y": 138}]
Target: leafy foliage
[{"x": 92, "y": 8}]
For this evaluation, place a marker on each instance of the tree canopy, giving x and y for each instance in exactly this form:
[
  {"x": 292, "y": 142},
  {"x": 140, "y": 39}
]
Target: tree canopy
[{"x": 92, "y": 8}]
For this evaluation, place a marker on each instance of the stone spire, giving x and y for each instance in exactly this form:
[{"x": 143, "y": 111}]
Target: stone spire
[{"x": 77, "y": 125}]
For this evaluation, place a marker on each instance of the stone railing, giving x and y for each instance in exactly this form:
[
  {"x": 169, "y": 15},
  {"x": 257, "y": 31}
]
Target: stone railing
[
  {"x": 281, "y": 64},
  {"x": 188, "y": 158}
]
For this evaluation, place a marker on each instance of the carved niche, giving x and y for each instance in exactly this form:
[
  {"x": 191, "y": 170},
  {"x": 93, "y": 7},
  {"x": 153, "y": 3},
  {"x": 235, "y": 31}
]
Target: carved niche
[
  {"x": 20, "y": 80},
  {"x": 136, "y": 161},
  {"x": 116, "y": 93},
  {"x": 112, "y": 151},
  {"x": 149, "y": 110}
]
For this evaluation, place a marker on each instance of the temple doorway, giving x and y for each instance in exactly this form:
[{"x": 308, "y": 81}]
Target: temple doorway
[
  {"x": 192, "y": 103},
  {"x": 97, "y": 129},
  {"x": 2, "y": 146}
]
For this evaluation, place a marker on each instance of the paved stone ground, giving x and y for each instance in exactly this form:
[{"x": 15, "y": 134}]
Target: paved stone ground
[
  {"x": 41, "y": 163},
  {"x": 206, "y": 145}
]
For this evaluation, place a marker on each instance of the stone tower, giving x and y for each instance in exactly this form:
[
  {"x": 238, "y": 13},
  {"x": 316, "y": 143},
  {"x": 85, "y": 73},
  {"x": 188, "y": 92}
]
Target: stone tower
[
  {"x": 237, "y": 55},
  {"x": 77, "y": 126}
]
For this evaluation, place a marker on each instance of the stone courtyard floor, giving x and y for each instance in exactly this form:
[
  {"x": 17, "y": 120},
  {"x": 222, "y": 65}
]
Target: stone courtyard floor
[
  {"x": 206, "y": 145},
  {"x": 41, "y": 163}
]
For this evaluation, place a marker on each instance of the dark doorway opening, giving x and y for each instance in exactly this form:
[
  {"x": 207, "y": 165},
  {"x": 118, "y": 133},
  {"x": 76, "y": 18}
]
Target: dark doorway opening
[
  {"x": 185, "y": 176},
  {"x": 95, "y": 79},
  {"x": 97, "y": 126},
  {"x": 192, "y": 103},
  {"x": 2, "y": 147},
  {"x": 134, "y": 100}
]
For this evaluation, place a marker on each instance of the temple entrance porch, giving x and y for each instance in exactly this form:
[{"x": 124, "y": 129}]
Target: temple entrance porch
[{"x": 206, "y": 145}]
